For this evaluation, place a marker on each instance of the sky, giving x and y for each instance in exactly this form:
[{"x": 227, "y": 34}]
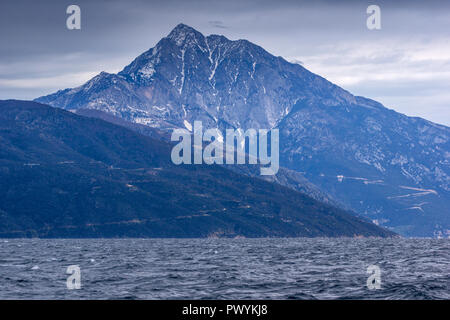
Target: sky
[{"x": 405, "y": 65}]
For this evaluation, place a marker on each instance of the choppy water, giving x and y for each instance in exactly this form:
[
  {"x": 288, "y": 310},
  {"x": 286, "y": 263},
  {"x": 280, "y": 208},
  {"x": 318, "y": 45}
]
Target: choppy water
[{"x": 225, "y": 268}]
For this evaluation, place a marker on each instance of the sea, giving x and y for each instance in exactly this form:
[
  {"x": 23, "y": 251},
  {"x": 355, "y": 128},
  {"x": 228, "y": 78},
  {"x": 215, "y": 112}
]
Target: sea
[{"x": 266, "y": 268}]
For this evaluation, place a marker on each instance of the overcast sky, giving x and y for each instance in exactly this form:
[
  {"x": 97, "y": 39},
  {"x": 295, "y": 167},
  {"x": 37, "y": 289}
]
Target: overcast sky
[{"x": 405, "y": 65}]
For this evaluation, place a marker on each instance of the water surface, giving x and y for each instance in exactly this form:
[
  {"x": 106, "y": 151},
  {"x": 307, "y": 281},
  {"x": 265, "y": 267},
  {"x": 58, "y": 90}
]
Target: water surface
[{"x": 225, "y": 268}]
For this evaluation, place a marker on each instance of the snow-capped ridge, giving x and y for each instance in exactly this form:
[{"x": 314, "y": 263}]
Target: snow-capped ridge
[
  {"x": 183, "y": 33},
  {"x": 237, "y": 84}
]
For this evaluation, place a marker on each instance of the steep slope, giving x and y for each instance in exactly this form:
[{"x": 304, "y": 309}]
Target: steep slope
[
  {"x": 393, "y": 168},
  {"x": 63, "y": 175},
  {"x": 285, "y": 177}
]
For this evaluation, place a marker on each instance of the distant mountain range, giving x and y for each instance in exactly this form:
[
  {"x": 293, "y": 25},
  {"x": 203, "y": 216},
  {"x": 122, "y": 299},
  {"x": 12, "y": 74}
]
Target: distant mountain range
[
  {"x": 65, "y": 175},
  {"x": 392, "y": 168}
]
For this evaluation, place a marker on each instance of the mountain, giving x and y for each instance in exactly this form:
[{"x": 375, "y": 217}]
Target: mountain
[
  {"x": 392, "y": 168},
  {"x": 285, "y": 177},
  {"x": 64, "y": 175}
]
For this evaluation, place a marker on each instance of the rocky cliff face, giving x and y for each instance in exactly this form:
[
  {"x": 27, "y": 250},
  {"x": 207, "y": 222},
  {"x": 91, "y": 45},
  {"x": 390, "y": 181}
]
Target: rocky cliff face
[{"x": 390, "y": 167}]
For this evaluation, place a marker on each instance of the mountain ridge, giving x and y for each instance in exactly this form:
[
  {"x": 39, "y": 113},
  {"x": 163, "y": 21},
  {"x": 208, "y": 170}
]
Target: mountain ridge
[{"x": 352, "y": 148}]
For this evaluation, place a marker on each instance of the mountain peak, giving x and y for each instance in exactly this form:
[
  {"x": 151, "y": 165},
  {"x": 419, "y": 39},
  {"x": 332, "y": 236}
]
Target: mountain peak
[
  {"x": 181, "y": 27},
  {"x": 380, "y": 158},
  {"x": 183, "y": 32}
]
